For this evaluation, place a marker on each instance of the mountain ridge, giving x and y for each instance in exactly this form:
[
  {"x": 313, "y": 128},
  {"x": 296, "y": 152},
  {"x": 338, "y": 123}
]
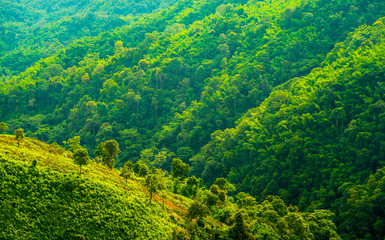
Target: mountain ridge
[{"x": 282, "y": 98}]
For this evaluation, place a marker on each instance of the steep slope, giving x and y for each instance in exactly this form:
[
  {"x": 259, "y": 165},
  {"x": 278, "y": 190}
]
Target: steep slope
[
  {"x": 313, "y": 135},
  {"x": 50, "y": 200},
  {"x": 171, "y": 79},
  {"x": 361, "y": 210},
  {"x": 44, "y": 197},
  {"x": 30, "y": 30}
]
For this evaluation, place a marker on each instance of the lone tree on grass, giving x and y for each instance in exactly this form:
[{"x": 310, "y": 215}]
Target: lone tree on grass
[
  {"x": 19, "y": 135},
  {"x": 154, "y": 182},
  {"x": 81, "y": 157},
  {"x": 127, "y": 170},
  {"x": 109, "y": 150},
  {"x": 79, "y": 154},
  {"x": 3, "y": 127}
]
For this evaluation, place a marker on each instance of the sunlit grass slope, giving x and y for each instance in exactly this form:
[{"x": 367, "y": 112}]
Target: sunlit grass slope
[{"x": 52, "y": 201}]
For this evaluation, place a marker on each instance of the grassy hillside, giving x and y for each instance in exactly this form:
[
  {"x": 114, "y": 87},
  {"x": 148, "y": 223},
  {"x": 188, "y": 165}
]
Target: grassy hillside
[
  {"x": 44, "y": 197},
  {"x": 283, "y": 98},
  {"x": 51, "y": 200}
]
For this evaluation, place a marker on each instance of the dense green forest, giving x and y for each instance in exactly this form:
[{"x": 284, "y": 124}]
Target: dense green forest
[
  {"x": 281, "y": 99},
  {"x": 31, "y": 30},
  {"x": 169, "y": 80},
  {"x": 313, "y": 136}
]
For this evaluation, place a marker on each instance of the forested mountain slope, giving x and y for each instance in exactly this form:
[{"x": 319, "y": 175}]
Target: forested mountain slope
[
  {"x": 34, "y": 29},
  {"x": 283, "y": 97},
  {"x": 43, "y": 196},
  {"x": 315, "y": 137},
  {"x": 169, "y": 80}
]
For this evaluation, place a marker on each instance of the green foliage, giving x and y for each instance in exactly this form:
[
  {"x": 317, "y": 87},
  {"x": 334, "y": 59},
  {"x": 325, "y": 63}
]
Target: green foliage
[
  {"x": 249, "y": 93},
  {"x": 153, "y": 183},
  {"x": 172, "y": 78},
  {"x": 127, "y": 170},
  {"x": 224, "y": 185},
  {"x": 312, "y": 135},
  {"x": 74, "y": 143},
  {"x": 83, "y": 205},
  {"x": 197, "y": 210},
  {"x": 19, "y": 135},
  {"x": 3, "y": 127},
  {"x": 179, "y": 169},
  {"x": 81, "y": 157},
  {"x": 211, "y": 199},
  {"x": 240, "y": 230},
  {"x": 108, "y": 150},
  {"x": 216, "y": 196},
  {"x": 191, "y": 187},
  {"x": 64, "y": 205},
  {"x": 37, "y": 29},
  {"x": 272, "y": 218},
  {"x": 361, "y": 208},
  {"x": 245, "y": 200},
  {"x": 141, "y": 169}
]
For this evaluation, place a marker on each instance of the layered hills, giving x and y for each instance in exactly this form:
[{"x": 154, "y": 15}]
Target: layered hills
[
  {"x": 173, "y": 78},
  {"x": 31, "y": 30},
  {"x": 281, "y": 98},
  {"x": 314, "y": 137}
]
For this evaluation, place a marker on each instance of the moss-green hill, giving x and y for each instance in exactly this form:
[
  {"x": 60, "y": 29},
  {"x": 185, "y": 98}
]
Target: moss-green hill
[
  {"x": 52, "y": 201},
  {"x": 42, "y": 196}
]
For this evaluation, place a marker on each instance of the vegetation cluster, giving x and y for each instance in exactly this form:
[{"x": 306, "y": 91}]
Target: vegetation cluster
[
  {"x": 230, "y": 119},
  {"x": 31, "y": 30},
  {"x": 44, "y": 196}
]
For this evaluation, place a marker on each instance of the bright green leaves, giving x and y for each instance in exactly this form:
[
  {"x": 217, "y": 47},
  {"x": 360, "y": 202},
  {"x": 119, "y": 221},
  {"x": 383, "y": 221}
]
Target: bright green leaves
[
  {"x": 81, "y": 157},
  {"x": 109, "y": 151},
  {"x": 154, "y": 182},
  {"x": 179, "y": 169}
]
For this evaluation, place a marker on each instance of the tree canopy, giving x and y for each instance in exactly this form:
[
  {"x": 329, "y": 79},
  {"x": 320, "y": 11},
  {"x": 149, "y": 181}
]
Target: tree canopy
[{"x": 249, "y": 105}]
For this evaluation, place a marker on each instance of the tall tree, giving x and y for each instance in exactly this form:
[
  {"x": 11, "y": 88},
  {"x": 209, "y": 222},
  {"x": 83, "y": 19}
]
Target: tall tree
[
  {"x": 179, "y": 169},
  {"x": 112, "y": 149},
  {"x": 141, "y": 169},
  {"x": 19, "y": 135},
  {"x": 197, "y": 210},
  {"x": 108, "y": 150},
  {"x": 3, "y": 127},
  {"x": 74, "y": 143},
  {"x": 154, "y": 182},
  {"x": 240, "y": 229},
  {"x": 127, "y": 170},
  {"x": 81, "y": 157}
]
